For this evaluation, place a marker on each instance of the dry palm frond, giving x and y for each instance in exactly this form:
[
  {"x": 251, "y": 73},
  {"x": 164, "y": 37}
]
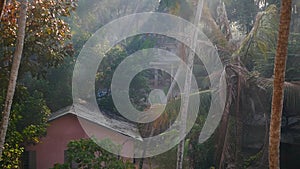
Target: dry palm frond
[{"x": 291, "y": 95}]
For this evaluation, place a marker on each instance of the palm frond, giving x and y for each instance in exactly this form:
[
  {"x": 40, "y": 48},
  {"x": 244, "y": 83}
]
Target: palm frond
[{"x": 261, "y": 41}]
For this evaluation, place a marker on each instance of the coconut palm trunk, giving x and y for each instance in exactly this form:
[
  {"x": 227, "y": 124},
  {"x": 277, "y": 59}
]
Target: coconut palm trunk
[
  {"x": 2, "y": 6},
  {"x": 13, "y": 73},
  {"x": 278, "y": 89}
]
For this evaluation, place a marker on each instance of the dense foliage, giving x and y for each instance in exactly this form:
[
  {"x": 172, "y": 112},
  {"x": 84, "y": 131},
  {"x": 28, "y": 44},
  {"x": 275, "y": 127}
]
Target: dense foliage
[
  {"x": 85, "y": 154},
  {"x": 28, "y": 122},
  {"x": 45, "y": 76},
  {"x": 47, "y": 44}
]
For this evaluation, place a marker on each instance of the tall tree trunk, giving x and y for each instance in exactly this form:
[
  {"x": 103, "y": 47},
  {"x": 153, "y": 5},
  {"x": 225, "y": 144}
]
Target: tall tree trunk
[
  {"x": 2, "y": 6},
  {"x": 278, "y": 90},
  {"x": 13, "y": 73},
  {"x": 188, "y": 80},
  {"x": 141, "y": 162},
  {"x": 180, "y": 151}
]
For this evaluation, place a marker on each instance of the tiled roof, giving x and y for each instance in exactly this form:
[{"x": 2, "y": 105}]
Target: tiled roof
[{"x": 123, "y": 127}]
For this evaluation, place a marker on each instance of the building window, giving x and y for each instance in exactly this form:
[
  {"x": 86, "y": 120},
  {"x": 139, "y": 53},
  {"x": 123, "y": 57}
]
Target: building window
[{"x": 29, "y": 160}]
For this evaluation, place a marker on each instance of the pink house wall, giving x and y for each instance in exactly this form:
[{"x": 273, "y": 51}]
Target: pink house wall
[{"x": 60, "y": 132}]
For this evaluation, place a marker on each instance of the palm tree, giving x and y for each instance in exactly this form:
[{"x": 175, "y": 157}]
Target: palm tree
[
  {"x": 278, "y": 89},
  {"x": 13, "y": 73}
]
